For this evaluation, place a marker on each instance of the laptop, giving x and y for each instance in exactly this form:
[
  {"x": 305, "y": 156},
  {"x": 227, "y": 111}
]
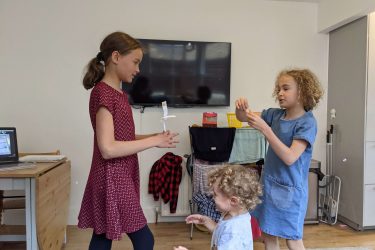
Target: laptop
[{"x": 9, "y": 149}]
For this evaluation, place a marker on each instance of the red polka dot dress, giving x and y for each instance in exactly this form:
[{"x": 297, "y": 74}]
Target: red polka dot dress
[{"x": 111, "y": 202}]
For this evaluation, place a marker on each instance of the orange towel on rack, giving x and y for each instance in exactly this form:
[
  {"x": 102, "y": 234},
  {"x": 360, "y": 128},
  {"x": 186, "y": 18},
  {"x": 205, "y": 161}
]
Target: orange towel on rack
[{"x": 255, "y": 228}]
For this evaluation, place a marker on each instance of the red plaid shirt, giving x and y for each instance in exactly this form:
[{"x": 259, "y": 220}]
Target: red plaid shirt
[{"x": 165, "y": 179}]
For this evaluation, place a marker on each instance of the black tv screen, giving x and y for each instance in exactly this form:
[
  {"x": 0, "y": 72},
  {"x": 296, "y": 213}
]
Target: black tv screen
[{"x": 183, "y": 73}]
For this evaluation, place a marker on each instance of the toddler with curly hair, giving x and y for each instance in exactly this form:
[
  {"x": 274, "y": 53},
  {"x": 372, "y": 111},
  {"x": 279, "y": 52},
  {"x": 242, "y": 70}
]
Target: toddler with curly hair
[{"x": 235, "y": 190}]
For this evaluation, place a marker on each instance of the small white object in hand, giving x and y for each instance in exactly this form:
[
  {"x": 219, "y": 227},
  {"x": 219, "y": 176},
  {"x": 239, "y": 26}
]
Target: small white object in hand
[{"x": 165, "y": 115}]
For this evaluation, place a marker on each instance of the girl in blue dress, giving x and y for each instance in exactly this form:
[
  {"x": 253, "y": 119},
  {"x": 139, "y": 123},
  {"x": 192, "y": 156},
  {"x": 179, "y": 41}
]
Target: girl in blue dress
[{"x": 290, "y": 131}]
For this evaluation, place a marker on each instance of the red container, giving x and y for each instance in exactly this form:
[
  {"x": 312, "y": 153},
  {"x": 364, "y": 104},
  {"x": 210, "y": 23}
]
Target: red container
[{"x": 209, "y": 119}]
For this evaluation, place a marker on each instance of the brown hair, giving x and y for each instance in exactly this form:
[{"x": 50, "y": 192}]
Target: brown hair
[
  {"x": 116, "y": 41},
  {"x": 236, "y": 180},
  {"x": 308, "y": 85}
]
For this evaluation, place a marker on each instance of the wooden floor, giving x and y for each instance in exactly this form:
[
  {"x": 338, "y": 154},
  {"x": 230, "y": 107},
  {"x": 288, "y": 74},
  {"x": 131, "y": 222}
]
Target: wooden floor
[{"x": 168, "y": 235}]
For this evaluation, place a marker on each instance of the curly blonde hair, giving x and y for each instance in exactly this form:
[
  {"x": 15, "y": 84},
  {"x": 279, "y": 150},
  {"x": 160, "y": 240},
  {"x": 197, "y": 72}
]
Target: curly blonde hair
[
  {"x": 236, "y": 180},
  {"x": 308, "y": 85}
]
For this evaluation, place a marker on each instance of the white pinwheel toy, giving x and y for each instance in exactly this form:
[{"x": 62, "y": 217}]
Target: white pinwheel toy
[{"x": 165, "y": 115}]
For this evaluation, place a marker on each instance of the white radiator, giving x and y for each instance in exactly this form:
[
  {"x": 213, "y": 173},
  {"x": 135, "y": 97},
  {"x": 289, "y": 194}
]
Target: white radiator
[{"x": 184, "y": 195}]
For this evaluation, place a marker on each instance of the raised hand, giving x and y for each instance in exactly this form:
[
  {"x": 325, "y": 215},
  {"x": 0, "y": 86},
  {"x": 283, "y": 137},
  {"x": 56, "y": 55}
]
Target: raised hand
[
  {"x": 242, "y": 109},
  {"x": 201, "y": 219},
  {"x": 256, "y": 121},
  {"x": 196, "y": 219},
  {"x": 242, "y": 104},
  {"x": 166, "y": 140}
]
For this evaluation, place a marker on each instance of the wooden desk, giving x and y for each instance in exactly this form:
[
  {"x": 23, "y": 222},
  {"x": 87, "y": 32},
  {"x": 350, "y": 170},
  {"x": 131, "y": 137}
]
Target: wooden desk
[{"x": 47, "y": 189}]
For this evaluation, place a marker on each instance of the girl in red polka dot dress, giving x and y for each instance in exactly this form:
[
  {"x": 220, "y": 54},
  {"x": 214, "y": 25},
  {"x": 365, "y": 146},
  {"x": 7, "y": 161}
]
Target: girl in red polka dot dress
[{"x": 111, "y": 201}]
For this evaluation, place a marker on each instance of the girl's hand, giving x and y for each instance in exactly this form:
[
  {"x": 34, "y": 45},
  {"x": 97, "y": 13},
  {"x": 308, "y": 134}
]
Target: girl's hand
[
  {"x": 242, "y": 104},
  {"x": 166, "y": 140},
  {"x": 242, "y": 109},
  {"x": 256, "y": 122},
  {"x": 196, "y": 219},
  {"x": 203, "y": 220},
  {"x": 180, "y": 248}
]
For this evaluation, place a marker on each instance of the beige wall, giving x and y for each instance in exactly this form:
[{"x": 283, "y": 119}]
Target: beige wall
[
  {"x": 44, "y": 46},
  {"x": 335, "y": 13}
]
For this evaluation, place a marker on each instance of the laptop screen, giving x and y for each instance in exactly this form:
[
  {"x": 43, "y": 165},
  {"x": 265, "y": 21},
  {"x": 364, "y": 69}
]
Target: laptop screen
[{"x": 8, "y": 145}]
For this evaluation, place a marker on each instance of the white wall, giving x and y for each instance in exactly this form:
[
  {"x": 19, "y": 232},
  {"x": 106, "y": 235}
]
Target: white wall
[
  {"x": 335, "y": 13},
  {"x": 44, "y": 46}
]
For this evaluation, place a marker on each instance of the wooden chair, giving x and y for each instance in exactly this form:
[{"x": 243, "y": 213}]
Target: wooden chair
[{"x": 17, "y": 201}]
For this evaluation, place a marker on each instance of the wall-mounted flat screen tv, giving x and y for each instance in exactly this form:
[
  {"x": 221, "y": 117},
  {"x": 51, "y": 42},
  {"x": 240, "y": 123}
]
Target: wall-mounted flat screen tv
[{"x": 183, "y": 73}]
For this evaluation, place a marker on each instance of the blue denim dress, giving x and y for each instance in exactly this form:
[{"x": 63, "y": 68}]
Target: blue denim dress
[{"x": 285, "y": 193}]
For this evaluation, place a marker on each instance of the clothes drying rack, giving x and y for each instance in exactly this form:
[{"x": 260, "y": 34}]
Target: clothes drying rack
[
  {"x": 329, "y": 196},
  {"x": 191, "y": 162}
]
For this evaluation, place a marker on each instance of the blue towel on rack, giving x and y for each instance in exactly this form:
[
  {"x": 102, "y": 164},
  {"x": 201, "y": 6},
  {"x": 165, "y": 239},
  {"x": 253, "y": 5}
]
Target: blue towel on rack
[
  {"x": 206, "y": 206},
  {"x": 249, "y": 146}
]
